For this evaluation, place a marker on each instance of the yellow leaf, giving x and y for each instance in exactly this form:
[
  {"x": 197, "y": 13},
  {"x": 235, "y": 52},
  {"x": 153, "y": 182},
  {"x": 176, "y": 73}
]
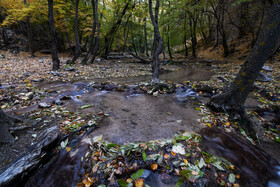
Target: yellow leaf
[
  {"x": 29, "y": 85},
  {"x": 174, "y": 154},
  {"x": 68, "y": 149},
  {"x": 129, "y": 180},
  {"x": 139, "y": 182},
  {"x": 209, "y": 125},
  {"x": 154, "y": 166},
  {"x": 227, "y": 123},
  {"x": 231, "y": 166},
  {"x": 186, "y": 161}
]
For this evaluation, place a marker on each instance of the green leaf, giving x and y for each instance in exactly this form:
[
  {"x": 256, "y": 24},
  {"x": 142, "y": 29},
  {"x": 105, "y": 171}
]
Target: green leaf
[
  {"x": 231, "y": 178},
  {"x": 122, "y": 183},
  {"x": 160, "y": 158},
  {"x": 85, "y": 106},
  {"x": 186, "y": 173},
  {"x": 137, "y": 174},
  {"x": 144, "y": 156},
  {"x": 179, "y": 182}
]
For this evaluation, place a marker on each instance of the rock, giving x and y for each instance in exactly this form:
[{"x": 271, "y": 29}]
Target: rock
[
  {"x": 29, "y": 95},
  {"x": 58, "y": 102},
  {"x": 56, "y": 73},
  {"x": 98, "y": 60},
  {"x": 41, "y": 61},
  {"x": 70, "y": 68},
  {"x": 2, "y": 56},
  {"x": 267, "y": 68},
  {"x": 65, "y": 97},
  {"x": 31, "y": 160},
  {"x": 44, "y": 105},
  {"x": 263, "y": 78},
  {"x": 38, "y": 80},
  {"x": 46, "y": 51}
]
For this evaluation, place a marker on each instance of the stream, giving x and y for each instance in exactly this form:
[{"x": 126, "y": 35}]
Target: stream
[{"x": 133, "y": 116}]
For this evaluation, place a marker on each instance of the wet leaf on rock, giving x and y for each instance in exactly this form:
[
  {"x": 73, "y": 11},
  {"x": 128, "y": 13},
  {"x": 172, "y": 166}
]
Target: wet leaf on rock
[
  {"x": 137, "y": 174},
  {"x": 144, "y": 156}
]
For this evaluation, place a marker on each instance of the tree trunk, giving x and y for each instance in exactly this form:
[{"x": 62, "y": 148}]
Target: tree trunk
[
  {"x": 91, "y": 42},
  {"x": 5, "y": 122},
  {"x": 54, "y": 37},
  {"x": 158, "y": 42},
  {"x": 185, "y": 35},
  {"x": 96, "y": 41},
  {"x": 235, "y": 96},
  {"x": 29, "y": 34},
  {"x": 168, "y": 42},
  {"x": 78, "y": 46},
  {"x": 109, "y": 37},
  {"x": 146, "y": 39}
]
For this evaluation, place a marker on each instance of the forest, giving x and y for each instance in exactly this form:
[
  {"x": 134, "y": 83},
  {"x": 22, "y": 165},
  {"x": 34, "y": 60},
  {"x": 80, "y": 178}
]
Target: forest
[{"x": 140, "y": 93}]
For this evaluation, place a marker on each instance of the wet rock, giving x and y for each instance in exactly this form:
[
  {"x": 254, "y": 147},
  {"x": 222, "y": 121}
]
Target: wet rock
[
  {"x": 65, "y": 97},
  {"x": 263, "y": 78},
  {"x": 58, "y": 102},
  {"x": 267, "y": 68},
  {"x": 56, "y": 73},
  {"x": 30, "y": 95},
  {"x": 44, "y": 105},
  {"x": 70, "y": 69},
  {"x": 38, "y": 80},
  {"x": 31, "y": 160}
]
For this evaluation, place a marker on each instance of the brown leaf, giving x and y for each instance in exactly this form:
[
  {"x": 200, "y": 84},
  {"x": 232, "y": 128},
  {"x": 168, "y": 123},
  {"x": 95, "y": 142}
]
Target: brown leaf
[{"x": 88, "y": 181}]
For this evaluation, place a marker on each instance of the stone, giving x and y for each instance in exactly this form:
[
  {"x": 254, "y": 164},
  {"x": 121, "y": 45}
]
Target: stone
[
  {"x": 263, "y": 78},
  {"x": 267, "y": 68},
  {"x": 44, "y": 105},
  {"x": 70, "y": 68},
  {"x": 41, "y": 61},
  {"x": 58, "y": 102},
  {"x": 29, "y": 95}
]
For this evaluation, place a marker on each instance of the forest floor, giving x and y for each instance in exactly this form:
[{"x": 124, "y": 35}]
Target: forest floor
[{"x": 115, "y": 98}]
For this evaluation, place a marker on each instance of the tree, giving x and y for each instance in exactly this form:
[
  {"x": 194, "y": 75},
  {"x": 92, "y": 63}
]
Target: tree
[
  {"x": 78, "y": 46},
  {"x": 158, "y": 42},
  {"x": 54, "y": 37},
  {"x": 29, "y": 34},
  {"x": 5, "y": 122},
  {"x": 235, "y": 96}
]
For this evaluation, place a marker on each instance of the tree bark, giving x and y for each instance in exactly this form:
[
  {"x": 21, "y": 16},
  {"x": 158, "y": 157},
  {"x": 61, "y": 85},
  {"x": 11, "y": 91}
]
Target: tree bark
[
  {"x": 235, "y": 96},
  {"x": 56, "y": 62},
  {"x": 146, "y": 38},
  {"x": 78, "y": 46},
  {"x": 5, "y": 122},
  {"x": 96, "y": 40},
  {"x": 29, "y": 34},
  {"x": 158, "y": 42}
]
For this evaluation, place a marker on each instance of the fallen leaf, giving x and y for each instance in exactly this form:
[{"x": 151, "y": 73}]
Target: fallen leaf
[
  {"x": 167, "y": 156},
  {"x": 154, "y": 166},
  {"x": 186, "y": 161},
  {"x": 88, "y": 181},
  {"x": 139, "y": 182}
]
